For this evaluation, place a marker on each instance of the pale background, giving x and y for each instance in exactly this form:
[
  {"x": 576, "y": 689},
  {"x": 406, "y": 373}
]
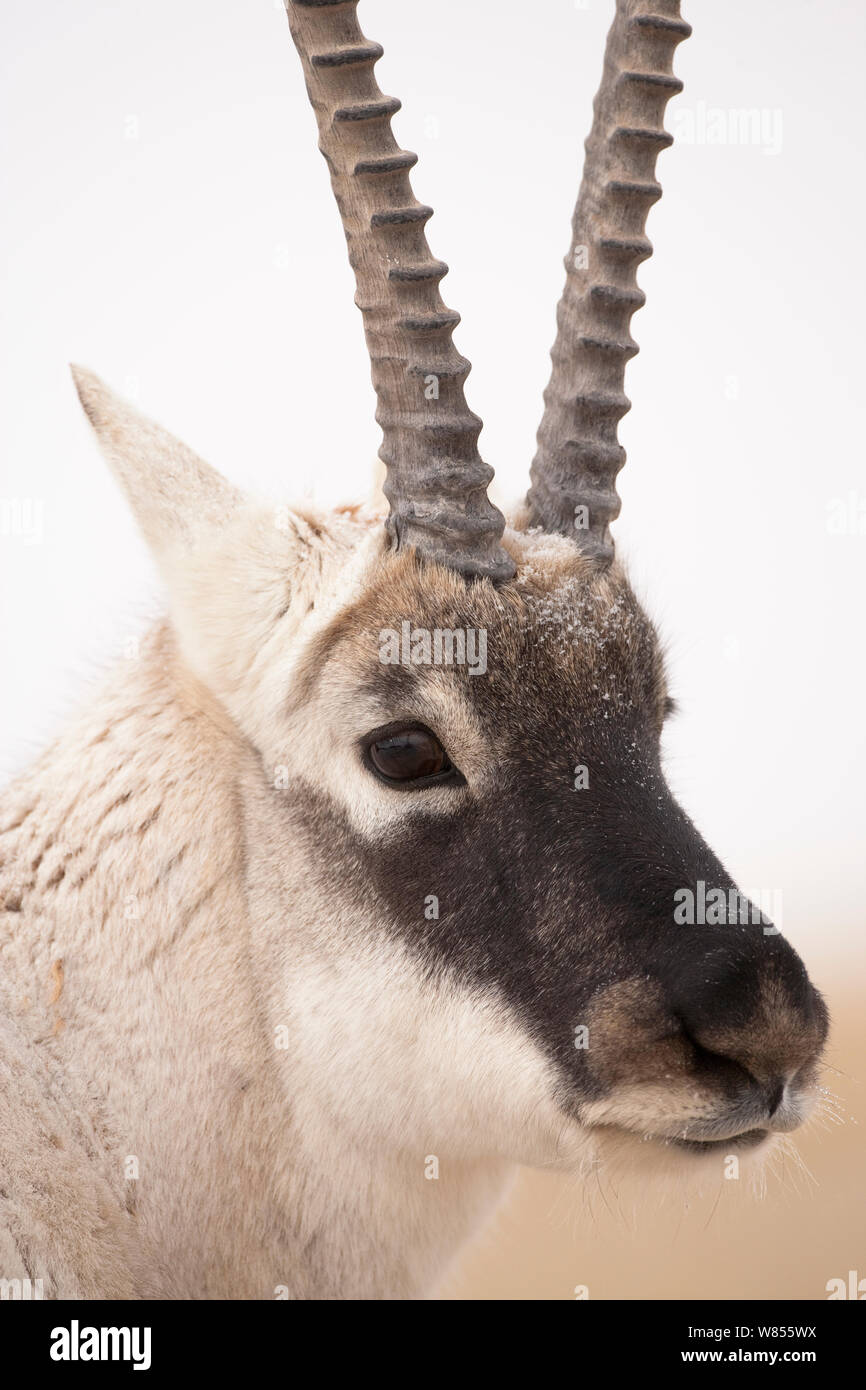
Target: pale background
[{"x": 169, "y": 223}]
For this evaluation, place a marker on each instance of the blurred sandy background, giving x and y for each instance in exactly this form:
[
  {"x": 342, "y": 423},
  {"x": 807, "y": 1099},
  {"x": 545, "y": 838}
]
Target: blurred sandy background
[{"x": 623, "y": 1242}]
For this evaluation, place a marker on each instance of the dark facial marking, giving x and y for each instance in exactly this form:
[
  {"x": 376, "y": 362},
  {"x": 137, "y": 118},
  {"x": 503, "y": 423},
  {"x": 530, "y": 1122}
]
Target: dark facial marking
[{"x": 546, "y": 893}]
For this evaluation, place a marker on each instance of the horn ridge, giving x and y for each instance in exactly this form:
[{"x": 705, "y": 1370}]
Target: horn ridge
[
  {"x": 578, "y": 456},
  {"x": 436, "y": 480}
]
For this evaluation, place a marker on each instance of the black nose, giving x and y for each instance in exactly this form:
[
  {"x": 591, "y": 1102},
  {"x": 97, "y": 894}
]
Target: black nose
[{"x": 745, "y": 1000}]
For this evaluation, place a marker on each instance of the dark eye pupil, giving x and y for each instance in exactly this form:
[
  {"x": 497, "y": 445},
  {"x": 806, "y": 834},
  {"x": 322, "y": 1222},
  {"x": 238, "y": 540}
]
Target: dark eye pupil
[{"x": 406, "y": 756}]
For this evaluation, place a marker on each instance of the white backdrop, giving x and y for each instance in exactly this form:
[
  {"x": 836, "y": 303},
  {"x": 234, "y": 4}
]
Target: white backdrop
[{"x": 169, "y": 223}]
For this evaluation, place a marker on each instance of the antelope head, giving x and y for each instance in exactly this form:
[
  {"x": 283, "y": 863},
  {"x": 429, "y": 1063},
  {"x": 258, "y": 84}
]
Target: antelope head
[{"x": 466, "y": 873}]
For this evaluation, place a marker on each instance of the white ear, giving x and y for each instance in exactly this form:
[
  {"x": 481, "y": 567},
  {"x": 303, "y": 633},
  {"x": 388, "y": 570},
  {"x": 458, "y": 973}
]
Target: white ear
[
  {"x": 175, "y": 496},
  {"x": 241, "y": 575}
]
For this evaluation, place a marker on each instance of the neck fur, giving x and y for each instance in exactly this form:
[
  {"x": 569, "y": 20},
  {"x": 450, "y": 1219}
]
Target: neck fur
[{"x": 147, "y": 1073}]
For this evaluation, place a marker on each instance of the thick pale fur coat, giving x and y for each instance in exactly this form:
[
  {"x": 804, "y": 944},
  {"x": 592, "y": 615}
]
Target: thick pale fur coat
[
  {"x": 240, "y": 1057},
  {"x": 138, "y": 1037},
  {"x": 160, "y": 1136}
]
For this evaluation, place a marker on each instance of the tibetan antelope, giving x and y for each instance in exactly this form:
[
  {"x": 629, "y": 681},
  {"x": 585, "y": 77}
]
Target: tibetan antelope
[{"x": 311, "y": 909}]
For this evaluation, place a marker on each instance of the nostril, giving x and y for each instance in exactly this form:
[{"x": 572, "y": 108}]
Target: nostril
[
  {"x": 776, "y": 1093},
  {"x": 722, "y": 1069},
  {"x": 767, "y": 1090}
]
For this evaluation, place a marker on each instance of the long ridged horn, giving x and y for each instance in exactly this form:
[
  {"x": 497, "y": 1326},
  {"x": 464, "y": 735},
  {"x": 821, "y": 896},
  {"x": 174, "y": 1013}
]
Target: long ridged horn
[
  {"x": 578, "y": 457},
  {"x": 437, "y": 481}
]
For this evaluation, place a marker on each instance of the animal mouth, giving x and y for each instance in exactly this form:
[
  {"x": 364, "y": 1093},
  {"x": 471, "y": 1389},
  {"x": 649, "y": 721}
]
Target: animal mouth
[
  {"x": 743, "y": 1139},
  {"x": 742, "y": 1127},
  {"x": 749, "y": 1139}
]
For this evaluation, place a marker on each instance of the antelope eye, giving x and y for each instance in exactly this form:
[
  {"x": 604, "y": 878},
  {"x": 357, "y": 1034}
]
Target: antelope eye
[{"x": 408, "y": 755}]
